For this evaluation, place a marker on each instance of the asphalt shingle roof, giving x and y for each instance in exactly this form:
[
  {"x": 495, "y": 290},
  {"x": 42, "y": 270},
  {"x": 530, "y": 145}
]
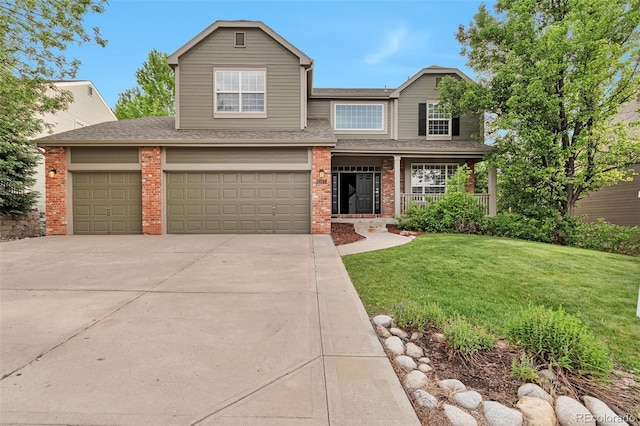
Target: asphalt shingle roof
[
  {"x": 418, "y": 146},
  {"x": 352, "y": 93},
  {"x": 162, "y": 129}
]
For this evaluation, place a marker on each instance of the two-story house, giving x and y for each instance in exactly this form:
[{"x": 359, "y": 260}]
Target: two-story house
[{"x": 255, "y": 148}]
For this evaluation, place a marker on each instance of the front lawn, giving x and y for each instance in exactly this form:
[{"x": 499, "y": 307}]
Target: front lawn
[{"x": 487, "y": 278}]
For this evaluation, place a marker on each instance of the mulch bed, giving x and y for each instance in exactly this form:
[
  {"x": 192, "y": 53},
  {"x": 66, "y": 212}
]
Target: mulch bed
[
  {"x": 344, "y": 233},
  {"x": 395, "y": 230}
]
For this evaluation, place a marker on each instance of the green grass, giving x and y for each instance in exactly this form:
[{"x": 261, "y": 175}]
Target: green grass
[{"x": 485, "y": 279}]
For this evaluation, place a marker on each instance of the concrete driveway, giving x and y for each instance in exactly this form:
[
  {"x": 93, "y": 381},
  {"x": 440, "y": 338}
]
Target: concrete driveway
[{"x": 182, "y": 330}]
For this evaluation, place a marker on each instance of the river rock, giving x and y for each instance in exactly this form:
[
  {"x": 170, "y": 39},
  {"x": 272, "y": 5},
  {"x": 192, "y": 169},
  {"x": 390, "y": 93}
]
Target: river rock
[
  {"x": 452, "y": 385},
  {"x": 383, "y": 320},
  {"x": 425, "y": 399},
  {"x": 500, "y": 415},
  {"x": 537, "y": 411},
  {"x": 534, "y": 391},
  {"x": 458, "y": 417},
  {"x": 468, "y": 399},
  {"x": 571, "y": 413},
  {"x": 382, "y": 331},
  {"x": 414, "y": 350},
  {"x": 604, "y": 415},
  {"x": 406, "y": 362},
  {"x": 394, "y": 345},
  {"x": 415, "y": 379}
]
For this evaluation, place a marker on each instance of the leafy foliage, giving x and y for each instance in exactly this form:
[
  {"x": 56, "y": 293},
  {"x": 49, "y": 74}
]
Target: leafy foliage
[
  {"x": 467, "y": 339},
  {"x": 559, "y": 339},
  {"x": 456, "y": 211},
  {"x": 553, "y": 76},
  {"x": 603, "y": 236},
  {"x": 34, "y": 35},
  {"x": 524, "y": 369},
  {"x": 419, "y": 315},
  {"x": 155, "y": 94}
]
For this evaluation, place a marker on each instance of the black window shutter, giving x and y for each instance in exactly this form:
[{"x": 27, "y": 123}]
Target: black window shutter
[
  {"x": 455, "y": 126},
  {"x": 422, "y": 119}
]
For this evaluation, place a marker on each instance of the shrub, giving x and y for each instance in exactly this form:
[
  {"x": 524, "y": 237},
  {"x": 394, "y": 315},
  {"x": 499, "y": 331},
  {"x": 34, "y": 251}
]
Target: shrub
[
  {"x": 419, "y": 315},
  {"x": 466, "y": 338},
  {"x": 608, "y": 237},
  {"x": 558, "y": 339},
  {"x": 547, "y": 230},
  {"x": 524, "y": 369}
]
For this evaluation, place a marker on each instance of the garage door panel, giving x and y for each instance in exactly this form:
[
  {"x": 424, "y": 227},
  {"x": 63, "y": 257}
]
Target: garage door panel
[
  {"x": 107, "y": 203},
  {"x": 239, "y": 202}
]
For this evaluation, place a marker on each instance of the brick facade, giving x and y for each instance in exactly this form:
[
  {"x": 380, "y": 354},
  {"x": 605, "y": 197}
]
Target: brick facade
[
  {"x": 321, "y": 190},
  {"x": 471, "y": 183},
  {"x": 388, "y": 200},
  {"x": 151, "y": 190},
  {"x": 56, "y": 191}
]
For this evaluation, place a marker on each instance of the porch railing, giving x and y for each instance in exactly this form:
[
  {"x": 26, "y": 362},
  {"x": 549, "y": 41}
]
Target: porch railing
[{"x": 425, "y": 199}]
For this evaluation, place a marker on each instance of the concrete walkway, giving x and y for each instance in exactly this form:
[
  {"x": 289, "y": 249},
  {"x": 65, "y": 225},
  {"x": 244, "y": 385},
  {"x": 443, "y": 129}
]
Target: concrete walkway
[
  {"x": 188, "y": 330},
  {"x": 374, "y": 241}
]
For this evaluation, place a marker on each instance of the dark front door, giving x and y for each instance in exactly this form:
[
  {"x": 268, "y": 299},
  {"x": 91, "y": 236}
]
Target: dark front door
[{"x": 364, "y": 193}]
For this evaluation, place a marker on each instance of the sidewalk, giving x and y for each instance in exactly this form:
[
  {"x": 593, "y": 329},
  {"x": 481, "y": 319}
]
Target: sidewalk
[{"x": 374, "y": 241}]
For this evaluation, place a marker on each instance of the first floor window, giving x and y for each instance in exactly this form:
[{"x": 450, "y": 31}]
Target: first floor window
[
  {"x": 365, "y": 117},
  {"x": 431, "y": 178},
  {"x": 240, "y": 91}
]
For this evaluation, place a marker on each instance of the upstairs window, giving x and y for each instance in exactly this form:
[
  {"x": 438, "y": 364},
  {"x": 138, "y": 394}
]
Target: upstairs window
[
  {"x": 240, "y": 93},
  {"x": 359, "y": 117},
  {"x": 435, "y": 123}
]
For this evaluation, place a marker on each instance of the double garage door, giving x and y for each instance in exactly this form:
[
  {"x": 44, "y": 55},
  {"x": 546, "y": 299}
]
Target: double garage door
[
  {"x": 238, "y": 202},
  {"x": 196, "y": 203}
]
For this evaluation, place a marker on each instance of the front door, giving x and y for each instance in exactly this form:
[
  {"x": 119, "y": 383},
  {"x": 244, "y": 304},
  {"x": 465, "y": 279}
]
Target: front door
[{"x": 364, "y": 193}]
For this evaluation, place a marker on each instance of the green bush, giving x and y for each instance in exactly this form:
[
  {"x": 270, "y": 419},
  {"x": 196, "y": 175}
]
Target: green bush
[
  {"x": 524, "y": 369},
  {"x": 546, "y": 230},
  {"x": 419, "y": 315},
  {"x": 466, "y": 338},
  {"x": 558, "y": 339},
  {"x": 603, "y": 236}
]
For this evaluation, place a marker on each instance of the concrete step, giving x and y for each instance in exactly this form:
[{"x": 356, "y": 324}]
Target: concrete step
[{"x": 370, "y": 225}]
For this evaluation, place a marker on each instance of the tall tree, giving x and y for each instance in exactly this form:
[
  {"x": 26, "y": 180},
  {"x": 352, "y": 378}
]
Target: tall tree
[
  {"x": 155, "y": 94},
  {"x": 34, "y": 35},
  {"x": 553, "y": 74}
]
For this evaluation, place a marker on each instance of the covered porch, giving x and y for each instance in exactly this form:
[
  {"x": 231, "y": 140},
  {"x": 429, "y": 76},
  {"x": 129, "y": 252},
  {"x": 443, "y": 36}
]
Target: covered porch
[{"x": 381, "y": 178}]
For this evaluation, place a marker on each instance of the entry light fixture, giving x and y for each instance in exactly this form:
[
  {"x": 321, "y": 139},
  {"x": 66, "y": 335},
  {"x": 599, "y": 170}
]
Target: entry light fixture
[
  {"x": 52, "y": 173},
  {"x": 321, "y": 173}
]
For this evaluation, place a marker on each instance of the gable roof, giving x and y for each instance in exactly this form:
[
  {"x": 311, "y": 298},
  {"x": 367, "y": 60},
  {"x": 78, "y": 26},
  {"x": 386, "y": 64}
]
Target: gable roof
[
  {"x": 433, "y": 69},
  {"x": 173, "y": 58},
  {"x": 66, "y": 83}
]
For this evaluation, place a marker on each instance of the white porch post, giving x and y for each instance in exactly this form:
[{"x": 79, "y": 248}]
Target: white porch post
[
  {"x": 638, "y": 309},
  {"x": 396, "y": 184},
  {"x": 493, "y": 192}
]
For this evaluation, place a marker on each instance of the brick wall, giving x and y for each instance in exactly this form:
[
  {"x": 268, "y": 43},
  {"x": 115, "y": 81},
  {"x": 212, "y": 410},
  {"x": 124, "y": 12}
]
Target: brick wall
[
  {"x": 471, "y": 183},
  {"x": 388, "y": 201},
  {"x": 56, "y": 191},
  {"x": 321, "y": 191},
  {"x": 151, "y": 190}
]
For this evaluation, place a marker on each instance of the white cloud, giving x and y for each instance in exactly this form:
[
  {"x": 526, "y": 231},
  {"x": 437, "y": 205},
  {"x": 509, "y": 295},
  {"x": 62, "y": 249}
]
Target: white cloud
[{"x": 393, "y": 42}]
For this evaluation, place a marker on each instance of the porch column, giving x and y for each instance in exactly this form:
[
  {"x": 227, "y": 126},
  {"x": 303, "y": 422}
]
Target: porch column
[
  {"x": 151, "y": 190},
  {"x": 493, "y": 192},
  {"x": 396, "y": 184}
]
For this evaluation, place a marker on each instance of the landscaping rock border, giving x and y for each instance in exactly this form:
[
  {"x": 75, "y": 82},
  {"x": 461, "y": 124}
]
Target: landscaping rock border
[{"x": 464, "y": 406}]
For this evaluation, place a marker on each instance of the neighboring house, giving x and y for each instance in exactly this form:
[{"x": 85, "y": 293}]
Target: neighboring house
[
  {"x": 619, "y": 203},
  {"x": 87, "y": 108},
  {"x": 254, "y": 148}
]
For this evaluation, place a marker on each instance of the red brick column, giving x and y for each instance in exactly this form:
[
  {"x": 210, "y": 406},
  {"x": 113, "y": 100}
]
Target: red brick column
[
  {"x": 151, "y": 190},
  {"x": 388, "y": 201},
  {"x": 56, "y": 190},
  {"x": 471, "y": 183},
  {"x": 321, "y": 190}
]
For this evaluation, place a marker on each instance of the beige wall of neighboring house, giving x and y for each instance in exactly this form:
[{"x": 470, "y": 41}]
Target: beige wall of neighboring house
[
  {"x": 88, "y": 108},
  {"x": 619, "y": 203}
]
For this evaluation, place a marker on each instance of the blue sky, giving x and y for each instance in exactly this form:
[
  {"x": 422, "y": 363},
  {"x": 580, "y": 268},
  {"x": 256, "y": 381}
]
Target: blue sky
[{"x": 354, "y": 43}]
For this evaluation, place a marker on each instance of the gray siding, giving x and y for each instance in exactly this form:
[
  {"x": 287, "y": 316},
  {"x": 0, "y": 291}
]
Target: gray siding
[
  {"x": 236, "y": 155},
  {"x": 619, "y": 204},
  {"x": 321, "y": 109},
  {"x": 196, "y": 81},
  {"x": 420, "y": 91},
  {"x": 103, "y": 154}
]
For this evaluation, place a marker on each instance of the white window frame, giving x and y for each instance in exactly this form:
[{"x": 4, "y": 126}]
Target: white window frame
[
  {"x": 423, "y": 186},
  {"x": 430, "y": 104},
  {"x": 240, "y": 92},
  {"x": 383, "y": 129}
]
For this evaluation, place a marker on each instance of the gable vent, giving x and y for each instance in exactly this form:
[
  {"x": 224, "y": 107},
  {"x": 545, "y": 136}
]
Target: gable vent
[{"x": 239, "y": 39}]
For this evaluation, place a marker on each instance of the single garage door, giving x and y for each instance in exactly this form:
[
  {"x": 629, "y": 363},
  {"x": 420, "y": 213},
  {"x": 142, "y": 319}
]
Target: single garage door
[
  {"x": 107, "y": 203},
  {"x": 238, "y": 202}
]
